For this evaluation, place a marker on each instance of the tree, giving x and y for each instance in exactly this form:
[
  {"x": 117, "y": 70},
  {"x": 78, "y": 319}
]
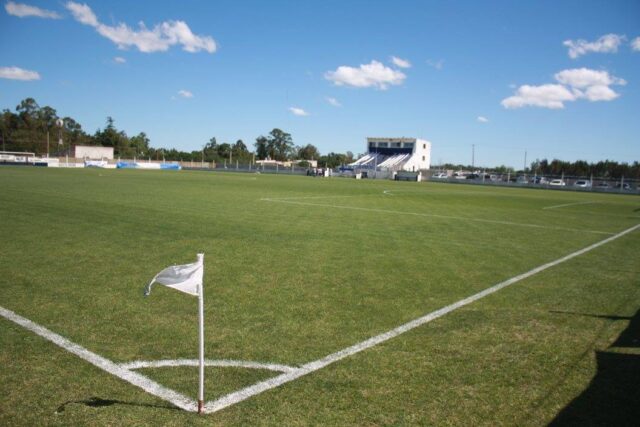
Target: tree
[
  {"x": 308, "y": 152},
  {"x": 210, "y": 150},
  {"x": 262, "y": 150},
  {"x": 224, "y": 150},
  {"x": 140, "y": 144},
  {"x": 281, "y": 144},
  {"x": 332, "y": 160},
  {"x": 111, "y": 137},
  {"x": 27, "y": 107},
  {"x": 240, "y": 152}
]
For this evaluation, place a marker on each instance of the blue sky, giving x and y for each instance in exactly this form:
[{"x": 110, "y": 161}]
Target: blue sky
[{"x": 557, "y": 79}]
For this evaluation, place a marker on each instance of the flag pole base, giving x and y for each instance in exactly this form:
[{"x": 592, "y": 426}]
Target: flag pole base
[{"x": 201, "y": 407}]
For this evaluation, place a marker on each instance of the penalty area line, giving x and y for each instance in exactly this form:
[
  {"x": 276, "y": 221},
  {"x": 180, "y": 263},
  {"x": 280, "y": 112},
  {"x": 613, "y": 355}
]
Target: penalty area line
[
  {"x": 138, "y": 380},
  {"x": 255, "y": 389},
  {"x": 568, "y": 204},
  {"x": 428, "y": 215}
]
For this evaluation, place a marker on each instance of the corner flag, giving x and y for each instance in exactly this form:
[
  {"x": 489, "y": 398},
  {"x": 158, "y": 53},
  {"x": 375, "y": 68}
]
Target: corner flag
[
  {"x": 185, "y": 278},
  {"x": 188, "y": 278}
]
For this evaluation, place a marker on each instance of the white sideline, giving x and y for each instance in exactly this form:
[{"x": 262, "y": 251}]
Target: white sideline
[
  {"x": 568, "y": 204},
  {"x": 147, "y": 384},
  {"x": 489, "y": 221},
  {"x": 245, "y": 393},
  {"x": 216, "y": 363}
]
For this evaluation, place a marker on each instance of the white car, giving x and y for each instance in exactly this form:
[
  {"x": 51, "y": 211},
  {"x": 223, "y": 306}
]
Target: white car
[
  {"x": 440, "y": 176},
  {"x": 557, "y": 183},
  {"x": 582, "y": 183}
]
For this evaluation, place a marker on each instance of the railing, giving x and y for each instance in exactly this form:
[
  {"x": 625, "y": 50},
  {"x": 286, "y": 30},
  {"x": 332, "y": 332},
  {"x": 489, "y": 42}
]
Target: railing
[{"x": 556, "y": 182}]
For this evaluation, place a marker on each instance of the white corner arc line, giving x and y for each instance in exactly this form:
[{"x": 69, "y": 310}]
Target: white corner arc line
[
  {"x": 224, "y": 363},
  {"x": 146, "y": 384},
  {"x": 247, "y": 392},
  {"x": 427, "y": 215},
  {"x": 567, "y": 204}
]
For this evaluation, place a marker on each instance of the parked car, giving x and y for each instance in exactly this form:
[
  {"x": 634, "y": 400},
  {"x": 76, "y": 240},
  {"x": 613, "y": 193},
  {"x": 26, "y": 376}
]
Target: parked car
[
  {"x": 582, "y": 183},
  {"x": 440, "y": 176},
  {"x": 473, "y": 176},
  {"x": 604, "y": 185},
  {"x": 522, "y": 180},
  {"x": 539, "y": 180},
  {"x": 557, "y": 183},
  {"x": 625, "y": 186}
]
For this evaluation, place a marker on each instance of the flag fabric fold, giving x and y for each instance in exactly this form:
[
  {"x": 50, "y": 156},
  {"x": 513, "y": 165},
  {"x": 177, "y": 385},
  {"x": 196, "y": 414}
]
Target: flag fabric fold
[{"x": 185, "y": 278}]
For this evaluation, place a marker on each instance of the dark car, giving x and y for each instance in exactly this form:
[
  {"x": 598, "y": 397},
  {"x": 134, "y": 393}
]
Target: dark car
[{"x": 625, "y": 186}]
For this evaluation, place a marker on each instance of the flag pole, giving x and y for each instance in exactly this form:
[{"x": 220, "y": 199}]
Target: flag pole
[{"x": 201, "y": 320}]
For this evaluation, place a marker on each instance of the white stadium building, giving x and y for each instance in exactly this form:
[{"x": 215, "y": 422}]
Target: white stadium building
[{"x": 398, "y": 154}]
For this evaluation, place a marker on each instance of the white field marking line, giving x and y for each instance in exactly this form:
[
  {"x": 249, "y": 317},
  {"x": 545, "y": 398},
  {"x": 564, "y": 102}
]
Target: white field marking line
[
  {"x": 568, "y": 204},
  {"x": 247, "y": 392},
  {"x": 216, "y": 363},
  {"x": 443, "y": 193},
  {"x": 489, "y": 221},
  {"x": 282, "y": 199},
  {"x": 147, "y": 384}
]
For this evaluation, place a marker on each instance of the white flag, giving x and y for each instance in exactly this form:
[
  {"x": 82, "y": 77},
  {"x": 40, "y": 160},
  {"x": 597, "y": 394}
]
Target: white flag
[{"x": 185, "y": 278}]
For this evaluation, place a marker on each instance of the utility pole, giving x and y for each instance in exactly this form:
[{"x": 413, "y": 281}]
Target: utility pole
[
  {"x": 525, "y": 161},
  {"x": 473, "y": 156}
]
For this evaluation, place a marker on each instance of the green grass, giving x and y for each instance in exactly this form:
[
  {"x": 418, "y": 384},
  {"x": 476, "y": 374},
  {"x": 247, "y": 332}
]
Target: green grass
[{"x": 290, "y": 282}]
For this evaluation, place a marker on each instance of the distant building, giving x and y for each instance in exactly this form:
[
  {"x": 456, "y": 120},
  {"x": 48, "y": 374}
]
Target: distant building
[
  {"x": 408, "y": 154},
  {"x": 93, "y": 152}
]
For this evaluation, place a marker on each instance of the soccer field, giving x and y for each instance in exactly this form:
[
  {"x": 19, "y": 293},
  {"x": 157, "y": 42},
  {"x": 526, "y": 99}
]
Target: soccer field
[{"x": 300, "y": 274}]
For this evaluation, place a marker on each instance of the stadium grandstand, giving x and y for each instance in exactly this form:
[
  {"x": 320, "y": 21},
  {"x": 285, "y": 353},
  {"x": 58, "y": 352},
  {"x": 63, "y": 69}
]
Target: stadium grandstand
[{"x": 398, "y": 154}]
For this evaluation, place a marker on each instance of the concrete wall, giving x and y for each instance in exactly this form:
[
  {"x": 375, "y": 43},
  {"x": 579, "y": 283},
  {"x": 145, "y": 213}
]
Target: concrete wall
[{"x": 96, "y": 153}]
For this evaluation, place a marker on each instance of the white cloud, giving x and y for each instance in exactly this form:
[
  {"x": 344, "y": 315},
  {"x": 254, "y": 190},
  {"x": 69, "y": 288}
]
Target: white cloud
[
  {"x": 373, "y": 74},
  {"x": 584, "y": 77},
  {"x": 22, "y": 10},
  {"x": 547, "y": 96},
  {"x": 606, "y": 44},
  {"x": 157, "y": 39},
  {"x": 599, "y": 93},
  {"x": 399, "y": 62},
  {"x": 185, "y": 94},
  {"x": 15, "y": 73},
  {"x": 333, "y": 101},
  {"x": 119, "y": 60},
  {"x": 574, "y": 84},
  {"x": 82, "y": 13},
  {"x": 298, "y": 111},
  {"x": 635, "y": 44},
  {"x": 482, "y": 119},
  {"x": 436, "y": 64}
]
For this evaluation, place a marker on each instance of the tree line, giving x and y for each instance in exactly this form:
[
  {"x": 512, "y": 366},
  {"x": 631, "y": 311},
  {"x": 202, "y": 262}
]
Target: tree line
[
  {"x": 603, "y": 168},
  {"x": 32, "y": 128}
]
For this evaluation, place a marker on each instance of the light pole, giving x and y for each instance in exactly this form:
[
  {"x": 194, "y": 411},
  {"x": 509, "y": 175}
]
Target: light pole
[{"x": 59, "y": 125}]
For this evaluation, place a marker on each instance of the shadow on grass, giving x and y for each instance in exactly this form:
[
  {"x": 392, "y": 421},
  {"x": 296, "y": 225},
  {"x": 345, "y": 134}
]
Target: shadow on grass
[
  {"x": 96, "y": 402},
  {"x": 613, "y": 396}
]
